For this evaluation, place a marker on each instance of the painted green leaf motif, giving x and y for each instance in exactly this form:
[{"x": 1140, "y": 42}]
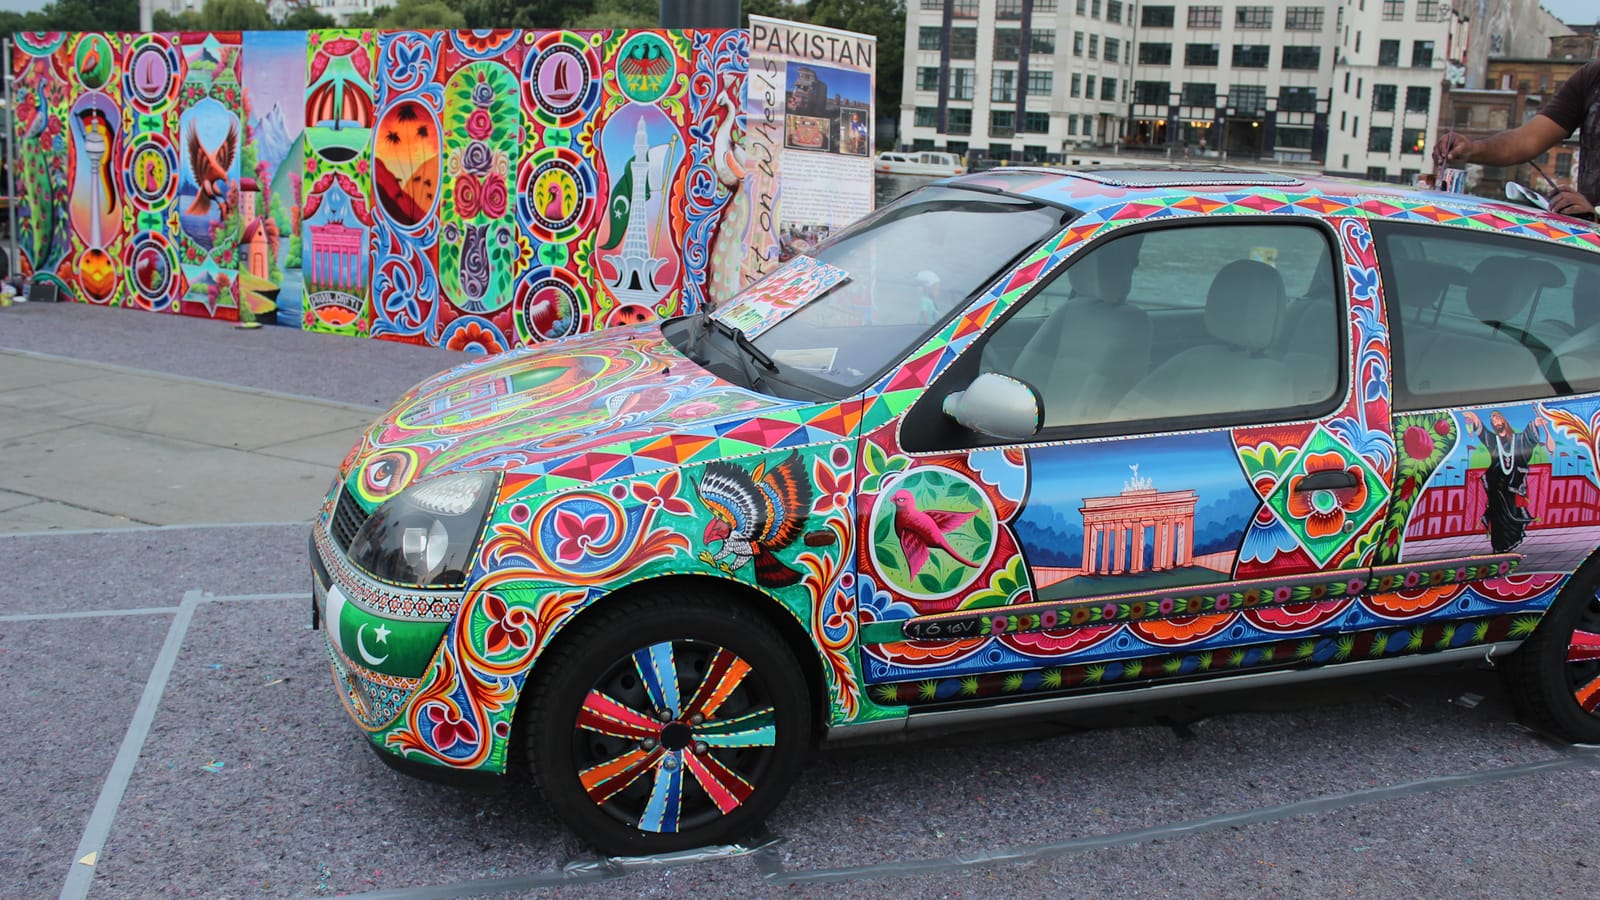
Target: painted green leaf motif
[
  {"x": 875, "y": 459},
  {"x": 982, "y": 528},
  {"x": 928, "y": 582},
  {"x": 883, "y": 534}
]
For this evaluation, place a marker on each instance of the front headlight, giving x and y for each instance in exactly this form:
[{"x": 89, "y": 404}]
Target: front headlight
[{"x": 424, "y": 536}]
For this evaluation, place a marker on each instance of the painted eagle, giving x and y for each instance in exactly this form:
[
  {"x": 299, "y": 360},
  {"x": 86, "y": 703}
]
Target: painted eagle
[
  {"x": 210, "y": 169},
  {"x": 756, "y": 513}
]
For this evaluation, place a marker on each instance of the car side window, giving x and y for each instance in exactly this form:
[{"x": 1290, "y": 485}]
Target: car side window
[
  {"x": 1216, "y": 322},
  {"x": 1480, "y": 318}
]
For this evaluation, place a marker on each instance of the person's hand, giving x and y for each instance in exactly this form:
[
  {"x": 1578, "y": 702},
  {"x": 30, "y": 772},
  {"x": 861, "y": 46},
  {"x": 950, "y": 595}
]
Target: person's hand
[
  {"x": 1471, "y": 419},
  {"x": 1452, "y": 148},
  {"x": 1571, "y": 203}
]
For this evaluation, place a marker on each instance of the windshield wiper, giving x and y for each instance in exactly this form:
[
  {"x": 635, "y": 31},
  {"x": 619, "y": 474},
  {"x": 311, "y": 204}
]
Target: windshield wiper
[{"x": 749, "y": 352}]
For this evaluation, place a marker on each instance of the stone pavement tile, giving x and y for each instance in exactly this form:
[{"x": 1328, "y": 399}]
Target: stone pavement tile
[
  {"x": 15, "y": 422},
  {"x": 161, "y": 480},
  {"x": 12, "y": 500},
  {"x": 47, "y": 515},
  {"x": 178, "y": 409},
  {"x": 323, "y": 449},
  {"x": 18, "y": 370}
]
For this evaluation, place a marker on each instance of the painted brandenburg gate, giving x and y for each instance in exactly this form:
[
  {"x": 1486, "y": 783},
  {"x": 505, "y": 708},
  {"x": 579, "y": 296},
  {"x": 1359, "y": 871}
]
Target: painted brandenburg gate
[{"x": 1114, "y": 528}]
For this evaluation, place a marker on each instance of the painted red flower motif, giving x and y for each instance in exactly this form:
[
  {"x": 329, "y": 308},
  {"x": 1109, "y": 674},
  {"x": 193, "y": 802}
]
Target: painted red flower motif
[
  {"x": 1324, "y": 511},
  {"x": 664, "y": 494},
  {"x": 480, "y": 124},
  {"x": 449, "y": 727},
  {"x": 508, "y": 628},
  {"x": 577, "y": 533},
  {"x": 468, "y": 196},
  {"x": 1418, "y": 444},
  {"x": 494, "y": 198},
  {"x": 472, "y": 335},
  {"x": 833, "y": 491}
]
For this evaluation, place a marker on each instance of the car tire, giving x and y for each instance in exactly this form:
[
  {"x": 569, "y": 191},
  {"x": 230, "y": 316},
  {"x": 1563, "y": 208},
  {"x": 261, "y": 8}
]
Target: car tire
[
  {"x": 1554, "y": 677},
  {"x": 633, "y": 773}
]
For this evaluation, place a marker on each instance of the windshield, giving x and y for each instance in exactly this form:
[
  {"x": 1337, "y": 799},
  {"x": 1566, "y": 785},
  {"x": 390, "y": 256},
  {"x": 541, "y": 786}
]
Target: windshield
[{"x": 889, "y": 281}]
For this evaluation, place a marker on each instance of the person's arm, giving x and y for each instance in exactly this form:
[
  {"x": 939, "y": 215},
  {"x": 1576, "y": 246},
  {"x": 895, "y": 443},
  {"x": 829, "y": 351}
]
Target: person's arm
[{"x": 1508, "y": 148}]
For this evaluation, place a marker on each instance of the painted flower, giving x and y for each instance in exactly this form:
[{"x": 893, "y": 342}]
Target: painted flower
[
  {"x": 577, "y": 533},
  {"x": 480, "y": 124},
  {"x": 449, "y": 727},
  {"x": 1442, "y": 427},
  {"x": 494, "y": 197},
  {"x": 468, "y": 197},
  {"x": 1418, "y": 443},
  {"x": 1324, "y": 511},
  {"x": 833, "y": 490},
  {"x": 473, "y": 337},
  {"x": 664, "y": 494},
  {"x": 477, "y": 158},
  {"x": 508, "y": 628},
  {"x": 482, "y": 94}
]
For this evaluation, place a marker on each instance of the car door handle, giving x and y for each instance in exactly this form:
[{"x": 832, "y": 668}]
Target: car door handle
[{"x": 1326, "y": 481}]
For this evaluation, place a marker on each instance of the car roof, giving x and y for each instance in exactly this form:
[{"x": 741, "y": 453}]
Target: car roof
[{"x": 1086, "y": 188}]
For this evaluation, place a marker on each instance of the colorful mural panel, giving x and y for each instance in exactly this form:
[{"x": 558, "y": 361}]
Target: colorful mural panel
[{"x": 475, "y": 189}]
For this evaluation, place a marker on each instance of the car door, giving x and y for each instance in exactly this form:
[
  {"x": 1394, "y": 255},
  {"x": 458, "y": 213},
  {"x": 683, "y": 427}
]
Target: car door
[
  {"x": 1210, "y": 476},
  {"x": 1497, "y": 364}
]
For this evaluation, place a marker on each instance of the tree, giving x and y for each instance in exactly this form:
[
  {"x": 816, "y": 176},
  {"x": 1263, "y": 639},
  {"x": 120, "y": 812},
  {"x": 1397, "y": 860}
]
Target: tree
[
  {"x": 307, "y": 18},
  {"x": 86, "y": 15},
  {"x": 885, "y": 19},
  {"x": 419, "y": 14},
  {"x": 618, "y": 14},
  {"x": 234, "y": 15},
  {"x": 772, "y": 9},
  {"x": 522, "y": 13},
  {"x": 364, "y": 19}
]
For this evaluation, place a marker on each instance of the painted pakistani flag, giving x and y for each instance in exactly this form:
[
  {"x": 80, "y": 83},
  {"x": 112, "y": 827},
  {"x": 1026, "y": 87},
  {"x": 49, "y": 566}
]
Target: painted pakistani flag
[{"x": 400, "y": 647}]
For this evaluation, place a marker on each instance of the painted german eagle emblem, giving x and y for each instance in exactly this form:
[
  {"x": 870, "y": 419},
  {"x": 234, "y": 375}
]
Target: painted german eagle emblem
[{"x": 754, "y": 514}]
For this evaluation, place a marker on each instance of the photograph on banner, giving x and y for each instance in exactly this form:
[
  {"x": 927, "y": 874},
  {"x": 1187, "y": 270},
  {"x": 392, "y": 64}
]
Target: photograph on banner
[{"x": 808, "y": 136}]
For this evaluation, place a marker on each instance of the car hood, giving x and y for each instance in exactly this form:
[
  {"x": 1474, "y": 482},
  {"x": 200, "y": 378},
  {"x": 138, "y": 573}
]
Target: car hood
[{"x": 567, "y": 408}]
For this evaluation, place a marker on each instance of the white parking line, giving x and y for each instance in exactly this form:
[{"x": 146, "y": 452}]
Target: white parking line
[
  {"x": 142, "y": 528},
  {"x": 81, "y": 876},
  {"x": 91, "y": 614}
]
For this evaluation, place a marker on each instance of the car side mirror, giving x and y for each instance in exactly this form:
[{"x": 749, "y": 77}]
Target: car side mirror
[{"x": 997, "y": 405}]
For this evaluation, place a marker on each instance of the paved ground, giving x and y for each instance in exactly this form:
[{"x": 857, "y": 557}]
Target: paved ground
[{"x": 170, "y": 713}]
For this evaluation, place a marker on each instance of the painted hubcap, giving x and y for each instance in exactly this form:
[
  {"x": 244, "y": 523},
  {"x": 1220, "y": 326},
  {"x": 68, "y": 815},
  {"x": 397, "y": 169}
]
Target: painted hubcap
[
  {"x": 674, "y": 735},
  {"x": 1583, "y": 659}
]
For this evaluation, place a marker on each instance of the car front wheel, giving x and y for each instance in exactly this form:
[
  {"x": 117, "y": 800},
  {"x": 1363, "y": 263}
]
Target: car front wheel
[{"x": 668, "y": 721}]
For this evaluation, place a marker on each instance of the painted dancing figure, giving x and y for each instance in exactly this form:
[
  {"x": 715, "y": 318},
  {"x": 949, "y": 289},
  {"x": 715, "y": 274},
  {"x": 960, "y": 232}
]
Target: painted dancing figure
[{"x": 1505, "y": 483}]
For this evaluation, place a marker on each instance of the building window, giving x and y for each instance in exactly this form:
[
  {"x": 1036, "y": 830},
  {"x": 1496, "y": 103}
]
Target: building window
[
  {"x": 1114, "y": 11},
  {"x": 1007, "y": 43},
  {"x": 1303, "y": 18},
  {"x": 1380, "y": 140},
  {"x": 1377, "y": 173},
  {"x": 1008, "y": 9},
  {"x": 927, "y": 117},
  {"x": 1044, "y": 6},
  {"x": 1248, "y": 99},
  {"x": 1294, "y": 138},
  {"x": 1077, "y": 85},
  {"x": 1094, "y": 46},
  {"x": 1563, "y": 165},
  {"x": 1196, "y": 93},
  {"x": 1418, "y": 99},
  {"x": 963, "y": 83},
  {"x": 1072, "y": 124},
  {"x": 1383, "y": 96},
  {"x": 1003, "y": 85},
  {"x": 1155, "y": 93},
  {"x": 1157, "y": 16},
  {"x": 1413, "y": 140},
  {"x": 1043, "y": 41},
  {"x": 1201, "y": 54},
  {"x": 1394, "y": 10},
  {"x": 1155, "y": 54},
  {"x": 1251, "y": 56},
  {"x": 1108, "y": 88},
  {"x": 1205, "y": 17},
  {"x": 1002, "y": 122},
  {"x": 1094, "y": 8},
  {"x": 933, "y": 5},
  {"x": 1301, "y": 56},
  {"x": 1088, "y": 86},
  {"x": 1421, "y": 54},
  {"x": 1083, "y": 7},
  {"x": 929, "y": 37},
  {"x": 1040, "y": 84},
  {"x": 1077, "y": 43},
  {"x": 965, "y": 9},
  {"x": 1036, "y": 123},
  {"x": 1297, "y": 99},
  {"x": 1388, "y": 53},
  {"x": 958, "y": 121},
  {"x": 927, "y": 78},
  {"x": 963, "y": 43},
  {"x": 1113, "y": 50},
  {"x": 1428, "y": 10},
  {"x": 1253, "y": 18}
]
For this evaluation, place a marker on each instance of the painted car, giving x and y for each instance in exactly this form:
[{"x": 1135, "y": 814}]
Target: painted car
[{"x": 1016, "y": 442}]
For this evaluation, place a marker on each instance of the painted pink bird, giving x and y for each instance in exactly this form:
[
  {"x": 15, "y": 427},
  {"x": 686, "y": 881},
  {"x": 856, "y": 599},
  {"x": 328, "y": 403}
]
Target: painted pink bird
[{"x": 919, "y": 531}]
